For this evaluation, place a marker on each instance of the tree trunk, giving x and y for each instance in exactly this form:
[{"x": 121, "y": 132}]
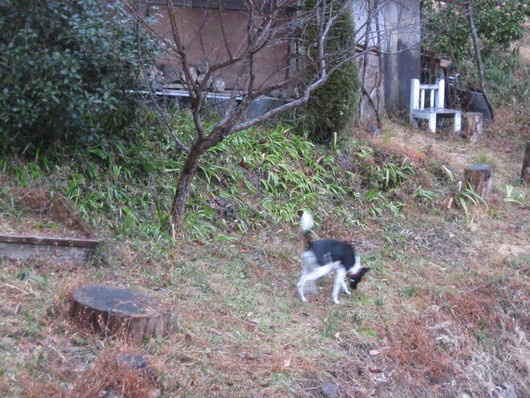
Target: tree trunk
[
  {"x": 184, "y": 185},
  {"x": 479, "y": 177},
  {"x": 525, "y": 171},
  {"x": 476, "y": 46}
]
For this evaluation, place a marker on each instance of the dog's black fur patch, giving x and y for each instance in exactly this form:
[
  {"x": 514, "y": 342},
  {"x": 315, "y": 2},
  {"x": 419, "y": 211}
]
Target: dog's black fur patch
[{"x": 331, "y": 250}]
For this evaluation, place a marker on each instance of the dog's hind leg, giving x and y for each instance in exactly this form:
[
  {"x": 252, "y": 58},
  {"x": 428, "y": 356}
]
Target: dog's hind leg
[
  {"x": 312, "y": 277},
  {"x": 309, "y": 265}
]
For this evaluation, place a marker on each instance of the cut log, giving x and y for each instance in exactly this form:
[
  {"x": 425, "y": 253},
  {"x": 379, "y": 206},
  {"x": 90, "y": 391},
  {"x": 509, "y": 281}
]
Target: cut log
[
  {"x": 201, "y": 80},
  {"x": 171, "y": 74},
  {"x": 154, "y": 73},
  {"x": 525, "y": 172},
  {"x": 202, "y": 67},
  {"x": 218, "y": 85},
  {"x": 479, "y": 177},
  {"x": 120, "y": 312},
  {"x": 193, "y": 74},
  {"x": 473, "y": 125}
]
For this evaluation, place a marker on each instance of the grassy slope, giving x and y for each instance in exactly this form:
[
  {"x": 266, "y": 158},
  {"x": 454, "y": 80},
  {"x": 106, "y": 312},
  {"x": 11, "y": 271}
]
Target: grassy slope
[{"x": 443, "y": 313}]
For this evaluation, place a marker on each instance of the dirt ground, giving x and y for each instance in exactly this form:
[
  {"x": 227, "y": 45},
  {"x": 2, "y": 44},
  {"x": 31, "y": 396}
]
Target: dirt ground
[{"x": 443, "y": 313}]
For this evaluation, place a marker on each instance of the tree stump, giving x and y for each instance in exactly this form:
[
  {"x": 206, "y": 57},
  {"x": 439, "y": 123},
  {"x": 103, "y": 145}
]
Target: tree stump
[
  {"x": 473, "y": 125},
  {"x": 525, "y": 175},
  {"x": 525, "y": 171},
  {"x": 479, "y": 177},
  {"x": 120, "y": 312}
]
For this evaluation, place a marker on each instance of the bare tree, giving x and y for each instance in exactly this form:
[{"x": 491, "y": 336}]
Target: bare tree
[{"x": 267, "y": 25}]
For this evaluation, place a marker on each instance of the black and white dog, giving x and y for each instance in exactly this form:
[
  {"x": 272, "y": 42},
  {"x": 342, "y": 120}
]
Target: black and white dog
[{"x": 325, "y": 256}]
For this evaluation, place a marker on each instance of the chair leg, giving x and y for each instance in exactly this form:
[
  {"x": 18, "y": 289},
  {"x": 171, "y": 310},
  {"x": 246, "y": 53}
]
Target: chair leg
[
  {"x": 413, "y": 122},
  {"x": 458, "y": 122},
  {"x": 432, "y": 122}
]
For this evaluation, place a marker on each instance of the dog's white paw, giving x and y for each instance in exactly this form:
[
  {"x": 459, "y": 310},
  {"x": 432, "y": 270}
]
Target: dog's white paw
[
  {"x": 347, "y": 292},
  {"x": 336, "y": 301}
]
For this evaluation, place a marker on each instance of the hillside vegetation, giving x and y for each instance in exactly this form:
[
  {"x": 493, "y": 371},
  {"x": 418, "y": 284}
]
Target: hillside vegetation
[{"x": 443, "y": 313}]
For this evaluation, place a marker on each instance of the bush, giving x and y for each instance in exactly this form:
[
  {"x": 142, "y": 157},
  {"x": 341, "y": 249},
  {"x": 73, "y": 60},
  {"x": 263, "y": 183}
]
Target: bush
[
  {"x": 332, "y": 107},
  {"x": 500, "y": 31},
  {"x": 64, "y": 71}
]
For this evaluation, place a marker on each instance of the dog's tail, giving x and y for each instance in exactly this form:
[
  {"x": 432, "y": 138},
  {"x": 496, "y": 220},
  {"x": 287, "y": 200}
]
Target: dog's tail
[{"x": 306, "y": 224}]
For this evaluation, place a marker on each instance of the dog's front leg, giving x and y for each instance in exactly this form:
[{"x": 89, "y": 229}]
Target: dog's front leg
[
  {"x": 345, "y": 287},
  {"x": 300, "y": 287},
  {"x": 340, "y": 274}
]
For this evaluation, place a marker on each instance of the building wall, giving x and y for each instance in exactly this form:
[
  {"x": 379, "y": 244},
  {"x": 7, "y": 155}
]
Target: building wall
[
  {"x": 201, "y": 30},
  {"x": 402, "y": 22},
  {"x": 394, "y": 30},
  {"x": 373, "y": 79}
]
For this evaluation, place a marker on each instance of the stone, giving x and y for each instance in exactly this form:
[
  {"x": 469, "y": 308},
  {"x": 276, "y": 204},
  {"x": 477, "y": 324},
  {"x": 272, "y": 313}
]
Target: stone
[
  {"x": 131, "y": 361},
  {"x": 329, "y": 390}
]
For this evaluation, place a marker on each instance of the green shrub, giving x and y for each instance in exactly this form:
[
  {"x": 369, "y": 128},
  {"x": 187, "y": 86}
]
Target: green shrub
[
  {"x": 64, "y": 70},
  {"x": 500, "y": 31},
  {"x": 332, "y": 107}
]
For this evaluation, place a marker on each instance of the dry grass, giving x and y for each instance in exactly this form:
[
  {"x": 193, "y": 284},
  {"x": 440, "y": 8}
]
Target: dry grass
[
  {"x": 39, "y": 212},
  {"x": 443, "y": 313},
  {"x": 109, "y": 374}
]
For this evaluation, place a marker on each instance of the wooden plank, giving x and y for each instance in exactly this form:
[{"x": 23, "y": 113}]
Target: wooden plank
[
  {"x": 46, "y": 240},
  {"x": 428, "y": 87},
  {"x": 425, "y": 113},
  {"x": 48, "y": 249},
  {"x": 440, "y": 95},
  {"x": 46, "y": 253}
]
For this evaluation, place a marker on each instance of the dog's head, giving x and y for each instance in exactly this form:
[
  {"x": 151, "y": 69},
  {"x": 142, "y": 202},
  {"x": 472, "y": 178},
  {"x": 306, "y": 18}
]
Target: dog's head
[{"x": 356, "y": 278}]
